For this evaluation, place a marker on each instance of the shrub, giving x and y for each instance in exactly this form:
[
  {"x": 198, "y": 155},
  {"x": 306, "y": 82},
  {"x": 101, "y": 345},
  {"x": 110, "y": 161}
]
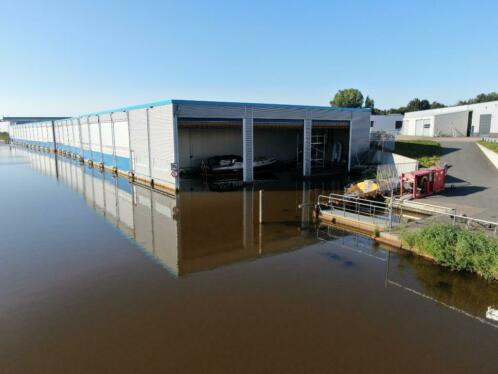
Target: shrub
[
  {"x": 457, "y": 248},
  {"x": 489, "y": 145},
  {"x": 427, "y": 152}
]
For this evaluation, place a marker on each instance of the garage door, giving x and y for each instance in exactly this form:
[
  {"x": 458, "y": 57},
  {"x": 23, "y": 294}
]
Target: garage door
[
  {"x": 427, "y": 129},
  {"x": 419, "y": 127},
  {"x": 484, "y": 124}
]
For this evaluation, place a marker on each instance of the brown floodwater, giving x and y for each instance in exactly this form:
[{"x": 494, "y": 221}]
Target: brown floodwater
[{"x": 98, "y": 275}]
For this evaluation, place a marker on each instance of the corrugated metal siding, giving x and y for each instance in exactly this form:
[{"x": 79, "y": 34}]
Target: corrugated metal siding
[
  {"x": 451, "y": 124},
  {"x": 85, "y": 137},
  {"x": 77, "y": 135},
  {"x": 359, "y": 136},
  {"x": 307, "y": 147},
  {"x": 484, "y": 124},
  {"x": 261, "y": 111},
  {"x": 107, "y": 141},
  {"x": 70, "y": 131},
  {"x": 139, "y": 142},
  {"x": 121, "y": 138},
  {"x": 95, "y": 139},
  {"x": 161, "y": 142},
  {"x": 247, "y": 149},
  {"x": 208, "y": 110}
]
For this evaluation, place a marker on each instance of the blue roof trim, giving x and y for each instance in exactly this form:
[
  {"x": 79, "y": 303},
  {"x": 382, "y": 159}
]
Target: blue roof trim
[
  {"x": 263, "y": 105},
  {"x": 124, "y": 109}
]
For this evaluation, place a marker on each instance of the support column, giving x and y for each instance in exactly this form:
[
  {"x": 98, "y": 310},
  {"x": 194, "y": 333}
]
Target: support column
[
  {"x": 100, "y": 139},
  {"x": 80, "y": 139},
  {"x": 247, "y": 149},
  {"x": 114, "y": 161},
  {"x": 176, "y": 145},
  {"x": 248, "y": 218},
  {"x": 149, "y": 153},
  {"x": 305, "y": 204},
  {"x": 54, "y": 138},
  {"x": 307, "y": 148}
]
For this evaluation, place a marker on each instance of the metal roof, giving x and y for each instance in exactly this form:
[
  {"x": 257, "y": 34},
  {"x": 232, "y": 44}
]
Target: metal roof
[{"x": 222, "y": 103}]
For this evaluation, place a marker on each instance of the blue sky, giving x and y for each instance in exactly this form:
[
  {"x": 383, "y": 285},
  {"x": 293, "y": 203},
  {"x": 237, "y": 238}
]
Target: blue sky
[{"x": 71, "y": 57}]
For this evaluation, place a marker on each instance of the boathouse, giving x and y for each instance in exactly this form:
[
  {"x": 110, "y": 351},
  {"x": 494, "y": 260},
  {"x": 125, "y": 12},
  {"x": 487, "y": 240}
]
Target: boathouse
[{"x": 160, "y": 142}]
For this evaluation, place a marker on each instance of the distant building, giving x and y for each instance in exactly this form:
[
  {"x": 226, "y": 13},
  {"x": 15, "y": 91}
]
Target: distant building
[
  {"x": 463, "y": 120},
  {"x": 388, "y": 123},
  {"x": 5, "y": 122}
]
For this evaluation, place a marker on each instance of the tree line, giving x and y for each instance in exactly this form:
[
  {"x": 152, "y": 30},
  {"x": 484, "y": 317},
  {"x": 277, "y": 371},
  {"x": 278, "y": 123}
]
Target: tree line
[{"x": 353, "y": 98}]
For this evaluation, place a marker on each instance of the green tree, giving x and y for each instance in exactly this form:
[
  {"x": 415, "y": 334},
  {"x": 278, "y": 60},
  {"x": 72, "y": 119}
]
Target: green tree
[
  {"x": 481, "y": 98},
  {"x": 349, "y": 97},
  {"x": 436, "y": 105},
  {"x": 417, "y": 104},
  {"x": 369, "y": 103}
]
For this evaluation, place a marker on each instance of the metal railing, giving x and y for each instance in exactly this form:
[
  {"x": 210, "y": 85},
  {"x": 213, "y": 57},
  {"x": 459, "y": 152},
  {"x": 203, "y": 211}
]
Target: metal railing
[
  {"x": 422, "y": 207},
  {"x": 470, "y": 222},
  {"x": 362, "y": 210},
  {"x": 489, "y": 139}
]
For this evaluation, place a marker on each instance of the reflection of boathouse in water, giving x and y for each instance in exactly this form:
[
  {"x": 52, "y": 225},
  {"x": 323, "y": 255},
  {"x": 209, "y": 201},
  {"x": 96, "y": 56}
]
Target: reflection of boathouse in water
[
  {"x": 200, "y": 230},
  {"x": 194, "y": 230}
]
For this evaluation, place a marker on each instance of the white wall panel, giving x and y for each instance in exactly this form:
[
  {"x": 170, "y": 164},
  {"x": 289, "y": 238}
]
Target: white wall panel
[
  {"x": 359, "y": 136},
  {"x": 139, "y": 142},
  {"x": 95, "y": 138},
  {"x": 85, "y": 136},
  {"x": 106, "y": 132},
  {"x": 161, "y": 142},
  {"x": 121, "y": 138}
]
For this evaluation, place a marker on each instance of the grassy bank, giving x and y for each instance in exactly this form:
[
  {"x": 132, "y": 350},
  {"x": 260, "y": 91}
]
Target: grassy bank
[
  {"x": 457, "y": 248},
  {"x": 489, "y": 145},
  {"x": 4, "y": 137},
  {"x": 427, "y": 152}
]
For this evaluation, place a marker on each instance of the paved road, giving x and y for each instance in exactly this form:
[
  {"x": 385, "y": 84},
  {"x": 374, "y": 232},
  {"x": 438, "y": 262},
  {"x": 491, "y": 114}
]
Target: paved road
[{"x": 474, "y": 180}]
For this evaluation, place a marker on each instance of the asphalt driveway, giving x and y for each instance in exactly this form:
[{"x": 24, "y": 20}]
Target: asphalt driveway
[{"x": 472, "y": 180}]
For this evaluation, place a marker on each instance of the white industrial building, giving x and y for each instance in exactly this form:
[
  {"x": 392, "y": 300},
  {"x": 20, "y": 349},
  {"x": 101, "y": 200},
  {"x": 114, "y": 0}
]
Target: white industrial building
[
  {"x": 6, "y": 122},
  {"x": 152, "y": 142},
  {"x": 388, "y": 123},
  {"x": 463, "y": 120}
]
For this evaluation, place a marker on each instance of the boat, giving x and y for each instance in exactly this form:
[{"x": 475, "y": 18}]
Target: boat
[
  {"x": 364, "y": 189},
  {"x": 234, "y": 164}
]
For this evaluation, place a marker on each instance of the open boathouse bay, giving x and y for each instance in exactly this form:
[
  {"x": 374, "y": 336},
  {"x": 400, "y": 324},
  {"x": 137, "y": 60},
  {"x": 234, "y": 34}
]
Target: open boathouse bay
[{"x": 100, "y": 275}]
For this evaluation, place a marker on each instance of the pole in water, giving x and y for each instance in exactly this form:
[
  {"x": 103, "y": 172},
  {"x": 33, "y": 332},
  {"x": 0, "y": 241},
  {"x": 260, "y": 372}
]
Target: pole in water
[{"x": 260, "y": 206}]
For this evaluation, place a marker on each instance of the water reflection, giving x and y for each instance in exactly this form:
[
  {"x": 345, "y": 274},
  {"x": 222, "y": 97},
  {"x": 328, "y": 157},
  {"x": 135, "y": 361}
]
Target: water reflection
[
  {"x": 194, "y": 230},
  {"x": 199, "y": 230},
  {"x": 464, "y": 293}
]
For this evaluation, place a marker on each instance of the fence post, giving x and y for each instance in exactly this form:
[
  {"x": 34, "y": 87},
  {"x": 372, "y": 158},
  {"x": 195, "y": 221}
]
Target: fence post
[{"x": 260, "y": 206}]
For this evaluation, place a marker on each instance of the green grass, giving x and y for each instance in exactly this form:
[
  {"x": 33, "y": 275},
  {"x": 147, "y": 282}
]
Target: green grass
[
  {"x": 492, "y": 146},
  {"x": 457, "y": 248},
  {"x": 4, "y": 137},
  {"x": 427, "y": 152}
]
